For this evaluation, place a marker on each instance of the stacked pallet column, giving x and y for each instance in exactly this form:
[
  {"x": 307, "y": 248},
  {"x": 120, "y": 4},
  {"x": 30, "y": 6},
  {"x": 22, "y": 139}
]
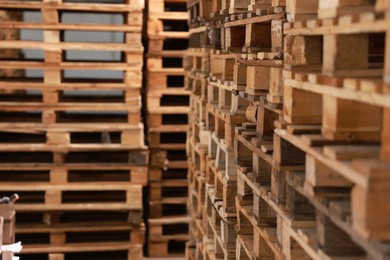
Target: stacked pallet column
[
  {"x": 167, "y": 122},
  {"x": 298, "y": 156},
  {"x": 335, "y": 123},
  {"x": 197, "y": 68},
  {"x": 243, "y": 92},
  {"x": 72, "y": 142}
]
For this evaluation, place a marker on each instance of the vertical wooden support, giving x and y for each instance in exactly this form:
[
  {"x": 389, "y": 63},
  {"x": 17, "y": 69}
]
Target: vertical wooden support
[
  {"x": 345, "y": 52},
  {"x": 370, "y": 207},
  {"x": 302, "y": 50},
  {"x": 258, "y": 36},
  {"x": 53, "y": 59},
  {"x": 339, "y": 124},
  {"x": 301, "y": 107},
  {"x": 385, "y": 142},
  {"x": 257, "y": 79}
]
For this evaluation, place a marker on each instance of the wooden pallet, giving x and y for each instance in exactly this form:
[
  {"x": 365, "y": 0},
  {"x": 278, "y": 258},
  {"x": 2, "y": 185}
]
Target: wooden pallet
[
  {"x": 166, "y": 119},
  {"x": 157, "y": 174},
  {"x": 68, "y": 135},
  {"x": 241, "y": 32},
  {"x": 257, "y": 236},
  {"x": 168, "y": 159},
  {"x": 260, "y": 76},
  {"x": 222, "y": 122},
  {"x": 128, "y": 252},
  {"x": 157, "y": 7},
  {"x": 166, "y": 207},
  {"x": 84, "y": 197},
  {"x": 196, "y": 195},
  {"x": 43, "y": 156},
  {"x": 167, "y": 236},
  {"x": 168, "y": 138},
  {"x": 224, "y": 97},
  {"x": 9, "y": 36},
  {"x": 170, "y": 100},
  {"x": 159, "y": 79},
  {"x": 219, "y": 227},
  {"x": 198, "y": 10},
  {"x": 330, "y": 9},
  {"x": 301, "y": 10},
  {"x": 73, "y": 174},
  {"x": 197, "y": 60},
  {"x": 168, "y": 189},
  {"x": 73, "y": 238}
]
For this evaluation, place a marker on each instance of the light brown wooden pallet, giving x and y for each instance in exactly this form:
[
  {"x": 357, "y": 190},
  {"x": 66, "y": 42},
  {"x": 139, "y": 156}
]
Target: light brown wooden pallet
[
  {"x": 168, "y": 100},
  {"x": 135, "y": 51},
  {"x": 167, "y": 137},
  {"x": 256, "y": 238},
  {"x": 197, "y": 60},
  {"x": 133, "y": 28},
  {"x": 156, "y": 174},
  {"x": 68, "y": 174},
  {"x": 240, "y": 32},
  {"x": 161, "y": 6},
  {"x": 330, "y": 9},
  {"x": 159, "y": 79},
  {"x": 168, "y": 41},
  {"x": 190, "y": 252},
  {"x": 199, "y": 35},
  {"x": 224, "y": 97},
  {"x": 78, "y": 6},
  {"x": 171, "y": 248},
  {"x": 71, "y": 134},
  {"x": 198, "y": 10},
  {"x": 53, "y": 114},
  {"x": 167, "y": 189},
  {"x": 94, "y": 250},
  {"x": 167, "y": 119},
  {"x": 196, "y": 191},
  {"x": 298, "y": 10},
  {"x": 196, "y": 83},
  {"x": 335, "y": 156},
  {"x": 197, "y": 150},
  {"x": 166, "y": 207},
  {"x": 94, "y": 156},
  {"x": 130, "y": 66},
  {"x": 21, "y": 83},
  {"x": 198, "y": 112},
  {"x": 74, "y": 218},
  {"x": 219, "y": 227},
  {"x": 167, "y": 236},
  {"x": 224, "y": 188},
  {"x": 296, "y": 235},
  {"x": 157, "y": 24},
  {"x": 222, "y": 122},
  {"x": 261, "y": 76},
  {"x": 69, "y": 236},
  {"x": 132, "y": 252},
  {"x": 83, "y": 197},
  {"x": 168, "y": 159}
]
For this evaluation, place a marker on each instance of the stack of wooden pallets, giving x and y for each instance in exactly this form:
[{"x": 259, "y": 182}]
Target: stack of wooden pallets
[
  {"x": 296, "y": 102},
  {"x": 72, "y": 142},
  {"x": 197, "y": 64},
  {"x": 167, "y": 105}
]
